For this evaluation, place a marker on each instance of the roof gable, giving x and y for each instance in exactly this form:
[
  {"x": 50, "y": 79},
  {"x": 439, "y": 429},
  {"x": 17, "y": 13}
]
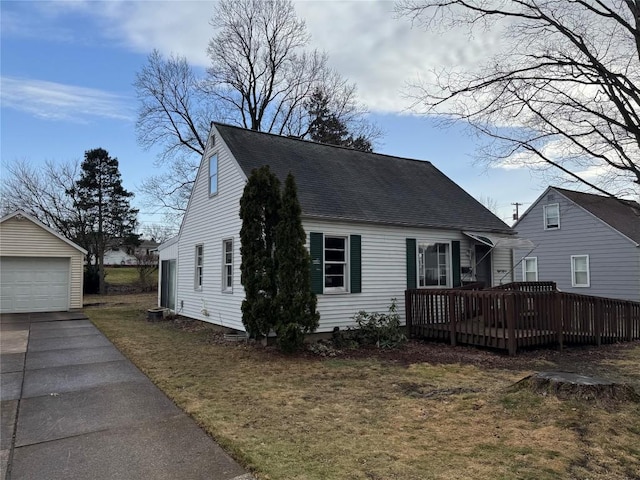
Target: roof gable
[
  {"x": 621, "y": 215},
  {"x": 343, "y": 184},
  {"x": 19, "y": 214}
]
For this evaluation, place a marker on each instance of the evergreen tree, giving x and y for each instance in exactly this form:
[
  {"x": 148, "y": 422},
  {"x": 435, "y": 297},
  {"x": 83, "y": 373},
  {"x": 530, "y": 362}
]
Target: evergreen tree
[
  {"x": 103, "y": 205},
  {"x": 295, "y": 303},
  {"x": 326, "y": 126},
  {"x": 259, "y": 208}
]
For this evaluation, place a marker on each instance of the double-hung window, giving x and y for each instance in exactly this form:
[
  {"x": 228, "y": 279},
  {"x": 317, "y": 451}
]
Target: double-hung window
[
  {"x": 335, "y": 264},
  {"x": 434, "y": 269},
  {"x": 530, "y": 269},
  {"x": 199, "y": 265},
  {"x": 213, "y": 174},
  {"x": 227, "y": 266},
  {"x": 580, "y": 271},
  {"x": 552, "y": 216}
]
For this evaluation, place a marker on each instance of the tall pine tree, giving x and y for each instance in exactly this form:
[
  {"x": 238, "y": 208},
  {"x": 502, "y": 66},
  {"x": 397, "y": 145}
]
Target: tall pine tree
[
  {"x": 326, "y": 126},
  {"x": 295, "y": 302},
  {"x": 103, "y": 203},
  {"x": 259, "y": 211}
]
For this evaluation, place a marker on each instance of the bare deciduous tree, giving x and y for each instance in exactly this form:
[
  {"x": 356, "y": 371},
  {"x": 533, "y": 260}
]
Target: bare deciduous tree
[
  {"x": 563, "y": 92},
  {"x": 261, "y": 76},
  {"x": 158, "y": 232},
  {"x": 41, "y": 192}
]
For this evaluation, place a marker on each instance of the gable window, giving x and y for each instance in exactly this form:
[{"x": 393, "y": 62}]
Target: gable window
[
  {"x": 434, "y": 268},
  {"x": 335, "y": 264},
  {"x": 199, "y": 264},
  {"x": 530, "y": 269},
  {"x": 213, "y": 174},
  {"x": 580, "y": 271},
  {"x": 552, "y": 216},
  {"x": 227, "y": 266}
]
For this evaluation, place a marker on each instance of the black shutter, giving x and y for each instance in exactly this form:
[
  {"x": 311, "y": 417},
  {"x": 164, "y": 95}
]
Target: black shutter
[
  {"x": 411, "y": 263},
  {"x": 316, "y": 246},
  {"x": 356, "y": 263},
  {"x": 455, "y": 263}
]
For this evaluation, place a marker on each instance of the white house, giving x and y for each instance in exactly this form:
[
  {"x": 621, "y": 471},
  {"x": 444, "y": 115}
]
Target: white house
[{"x": 376, "y": 225}]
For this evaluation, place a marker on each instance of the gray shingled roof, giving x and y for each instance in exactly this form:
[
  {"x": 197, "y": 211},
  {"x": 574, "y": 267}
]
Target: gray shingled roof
[
  {"x": 623, "y": 215},
  {"x": 343, "y": 184}
]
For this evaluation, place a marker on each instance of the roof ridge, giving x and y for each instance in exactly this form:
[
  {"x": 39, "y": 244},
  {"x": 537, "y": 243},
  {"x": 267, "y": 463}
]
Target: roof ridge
[
  {"x": 611, "y": 197},
  {"x": 312, "y": 142}
]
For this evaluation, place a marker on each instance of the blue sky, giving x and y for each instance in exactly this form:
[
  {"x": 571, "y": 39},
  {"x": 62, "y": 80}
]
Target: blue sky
[{"x": 67, "y": 71}]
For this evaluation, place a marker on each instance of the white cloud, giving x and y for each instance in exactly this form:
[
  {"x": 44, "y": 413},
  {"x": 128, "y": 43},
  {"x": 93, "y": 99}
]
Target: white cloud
[
  {"x": 365, "y": 41},
  {"x": 56, "y": 101}
]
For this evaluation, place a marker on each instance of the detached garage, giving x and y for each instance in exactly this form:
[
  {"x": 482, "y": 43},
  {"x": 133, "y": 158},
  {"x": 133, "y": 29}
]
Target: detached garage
[{"x": 40, "y": 270}]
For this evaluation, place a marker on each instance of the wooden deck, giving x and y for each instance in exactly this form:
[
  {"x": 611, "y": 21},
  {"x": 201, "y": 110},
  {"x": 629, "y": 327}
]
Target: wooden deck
[{"x": 519, "y": 316}]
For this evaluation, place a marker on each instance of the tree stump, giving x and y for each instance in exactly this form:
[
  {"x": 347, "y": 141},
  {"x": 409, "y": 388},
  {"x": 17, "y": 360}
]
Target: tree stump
[{"x": 566, "y": 385}]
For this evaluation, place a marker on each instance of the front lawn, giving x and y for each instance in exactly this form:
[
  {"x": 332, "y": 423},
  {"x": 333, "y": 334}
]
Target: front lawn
[{"x": 383, "y": 417}]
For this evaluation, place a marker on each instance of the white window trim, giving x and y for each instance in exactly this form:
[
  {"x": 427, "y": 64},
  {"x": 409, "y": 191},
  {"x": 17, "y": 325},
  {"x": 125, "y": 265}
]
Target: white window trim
[
  {"x": 211, "y": 157},
  {"x": 524, "y": 268},
  {"x": 347, "y": 263},
  {"x": 198, "y": 272},
  {"x": 449, "y": 264},
  {"x": 573, "y": 272},
  {"x": 225, "y": 288},
  {"x": 544, "y": 216}
]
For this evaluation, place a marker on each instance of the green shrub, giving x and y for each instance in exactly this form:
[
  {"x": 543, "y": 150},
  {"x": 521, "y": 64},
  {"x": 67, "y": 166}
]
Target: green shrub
[{"x": 380, "y": 329}]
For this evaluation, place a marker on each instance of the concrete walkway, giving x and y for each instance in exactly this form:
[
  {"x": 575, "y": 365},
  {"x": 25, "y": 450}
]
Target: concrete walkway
[{"x": 74, "y": 408}]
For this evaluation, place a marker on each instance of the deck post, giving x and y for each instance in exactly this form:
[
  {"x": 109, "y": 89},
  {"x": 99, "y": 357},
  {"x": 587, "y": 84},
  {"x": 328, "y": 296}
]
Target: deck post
[
  {"x": 408, "y": 313},
  {"x": 597, "y": 321},
  {"x": 557, "y": 314},
  {"x": 509, "y": 312},
  {"x": 629, "y": 335},
  {"x": 452, "y": 316}
]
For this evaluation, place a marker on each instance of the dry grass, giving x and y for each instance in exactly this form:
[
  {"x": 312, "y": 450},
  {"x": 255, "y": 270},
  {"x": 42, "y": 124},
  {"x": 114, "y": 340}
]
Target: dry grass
[
  {"x": 121, "y": 275},
  {"x": 307, "y": 418}
]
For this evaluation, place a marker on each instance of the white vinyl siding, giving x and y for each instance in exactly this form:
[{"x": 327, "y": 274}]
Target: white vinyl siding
[
  {"x": 552, "y": 216},
  {"x": 227, "y": 266},
  {"x": 580, "y": 271},
  {"x": 209, "y": 220},
  {"x": 384, "y": 276},
  {"x": 530, "y": 269},
  {"x": 23, "y": 238}
]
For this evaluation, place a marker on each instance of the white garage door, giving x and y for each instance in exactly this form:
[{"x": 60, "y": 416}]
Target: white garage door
[{"x": 34, "y": 284}]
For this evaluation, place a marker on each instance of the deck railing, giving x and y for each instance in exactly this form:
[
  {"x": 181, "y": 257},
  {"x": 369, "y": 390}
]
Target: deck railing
[{"x": 511, "y": 319}]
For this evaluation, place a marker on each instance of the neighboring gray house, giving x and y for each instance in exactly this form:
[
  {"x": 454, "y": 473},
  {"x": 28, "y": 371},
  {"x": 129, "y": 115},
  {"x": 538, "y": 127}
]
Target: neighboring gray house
[
  {"x": 587, "y": 244},
  {"x": 375, "y": 224}
]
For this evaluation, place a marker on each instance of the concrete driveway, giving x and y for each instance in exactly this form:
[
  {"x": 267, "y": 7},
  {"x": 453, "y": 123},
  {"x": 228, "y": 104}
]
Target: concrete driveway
[{"x": 74, "y": 408}]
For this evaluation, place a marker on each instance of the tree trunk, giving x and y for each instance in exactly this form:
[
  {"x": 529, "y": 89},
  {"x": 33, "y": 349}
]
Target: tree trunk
[{"x": 578, "y": 387}]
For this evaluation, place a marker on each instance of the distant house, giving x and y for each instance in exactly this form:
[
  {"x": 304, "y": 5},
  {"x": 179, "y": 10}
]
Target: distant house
[
  {"x": 122, "y": 254},
  {"x": 587, "y": 244},
  {"x": 376, "y": 225}
]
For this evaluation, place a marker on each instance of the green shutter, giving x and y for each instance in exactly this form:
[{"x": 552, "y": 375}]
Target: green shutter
[
  {"x": 316, "y": 246},
  {"x": 455, "y": 263},
  {"x": 411, "y": 263},
  {"x": 355, "y": 246}
]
